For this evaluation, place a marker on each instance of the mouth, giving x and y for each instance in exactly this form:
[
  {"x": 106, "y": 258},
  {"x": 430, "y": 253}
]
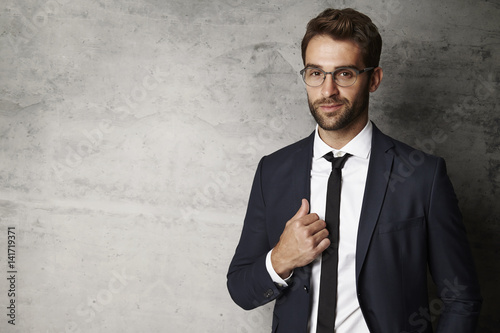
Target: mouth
[{"x": 330, "y": 107}]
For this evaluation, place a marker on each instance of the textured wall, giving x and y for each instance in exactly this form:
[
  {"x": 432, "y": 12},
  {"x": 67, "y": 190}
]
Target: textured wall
[{"x": 130, "y": 132}]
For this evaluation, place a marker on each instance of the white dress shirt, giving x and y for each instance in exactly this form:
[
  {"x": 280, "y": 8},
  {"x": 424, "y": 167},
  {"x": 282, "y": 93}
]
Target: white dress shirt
[{"x": 349, "y": 318}]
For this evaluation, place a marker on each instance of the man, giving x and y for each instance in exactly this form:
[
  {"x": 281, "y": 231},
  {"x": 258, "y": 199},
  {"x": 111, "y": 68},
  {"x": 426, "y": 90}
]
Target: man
[{"x": 397, "y": 214}]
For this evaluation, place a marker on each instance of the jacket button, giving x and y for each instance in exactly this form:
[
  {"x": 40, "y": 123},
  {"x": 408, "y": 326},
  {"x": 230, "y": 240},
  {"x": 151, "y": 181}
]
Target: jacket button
[
  {"x": 306, "y": 289},
  {"x": 268, "y": 293}
]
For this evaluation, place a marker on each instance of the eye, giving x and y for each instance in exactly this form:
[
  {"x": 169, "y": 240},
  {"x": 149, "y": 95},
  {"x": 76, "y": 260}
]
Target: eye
[
  {"x": 345, "y": 74},
  {"x": 314, "y": 72}
]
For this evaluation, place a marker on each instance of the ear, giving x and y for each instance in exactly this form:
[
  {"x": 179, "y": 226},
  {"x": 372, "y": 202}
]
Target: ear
[{"x": 376, "y": 78}]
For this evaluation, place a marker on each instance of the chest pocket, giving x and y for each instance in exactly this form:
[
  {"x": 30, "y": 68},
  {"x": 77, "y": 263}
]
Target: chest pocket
[{"x": 387, "y": 227}]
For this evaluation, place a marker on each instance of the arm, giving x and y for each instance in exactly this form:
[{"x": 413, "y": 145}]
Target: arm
[
  {"x": 248, "y": 282},
  {"x": 304, "y": 237},
  {"x": 450, "y": 259}
]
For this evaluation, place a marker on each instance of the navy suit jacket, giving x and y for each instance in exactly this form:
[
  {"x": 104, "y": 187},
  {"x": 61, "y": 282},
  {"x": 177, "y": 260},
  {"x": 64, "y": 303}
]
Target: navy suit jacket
[{"x": 410, "y": 222}]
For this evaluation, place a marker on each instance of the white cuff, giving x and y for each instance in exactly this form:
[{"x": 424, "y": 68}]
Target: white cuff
[{"x": 274, "y": 276}]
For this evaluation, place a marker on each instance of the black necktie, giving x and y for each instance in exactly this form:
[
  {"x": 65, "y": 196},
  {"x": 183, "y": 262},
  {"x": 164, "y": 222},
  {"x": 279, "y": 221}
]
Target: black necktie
[{"x": 330, "y": 257}]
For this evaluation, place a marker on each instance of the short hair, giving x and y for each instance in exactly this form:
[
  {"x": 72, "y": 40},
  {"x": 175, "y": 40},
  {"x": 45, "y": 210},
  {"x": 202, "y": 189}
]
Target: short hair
[{"x": 346, "y": 24}]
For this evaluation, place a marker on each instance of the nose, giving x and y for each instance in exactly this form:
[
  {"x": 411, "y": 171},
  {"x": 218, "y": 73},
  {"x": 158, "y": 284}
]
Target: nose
[{"x": 329, "y": 87}]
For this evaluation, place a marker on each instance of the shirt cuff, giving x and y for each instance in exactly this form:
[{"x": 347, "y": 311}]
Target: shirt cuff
[{"x": 274, "y": 276}]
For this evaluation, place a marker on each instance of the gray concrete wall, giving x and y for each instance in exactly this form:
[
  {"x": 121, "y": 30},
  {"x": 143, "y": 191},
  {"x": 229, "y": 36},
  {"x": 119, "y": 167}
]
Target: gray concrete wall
[{"x": 130, "y": 132}]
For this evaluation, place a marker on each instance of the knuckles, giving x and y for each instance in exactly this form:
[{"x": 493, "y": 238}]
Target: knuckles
[{"x": 314, "y": 216}]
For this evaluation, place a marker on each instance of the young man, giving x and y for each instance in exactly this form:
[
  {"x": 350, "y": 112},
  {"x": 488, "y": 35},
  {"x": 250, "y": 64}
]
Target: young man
[{"x": 355, "y": 263}]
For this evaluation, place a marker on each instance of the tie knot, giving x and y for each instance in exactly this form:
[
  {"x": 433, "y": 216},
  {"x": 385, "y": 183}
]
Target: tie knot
[{"x": 337, "y": 162}]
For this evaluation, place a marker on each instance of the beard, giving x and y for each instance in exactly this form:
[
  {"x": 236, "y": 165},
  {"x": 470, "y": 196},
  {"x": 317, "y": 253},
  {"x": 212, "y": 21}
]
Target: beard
[{"x": 343, "y": 117}]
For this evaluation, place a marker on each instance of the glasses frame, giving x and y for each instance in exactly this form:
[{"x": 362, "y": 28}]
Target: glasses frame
[{"x": 357, "y": 71}]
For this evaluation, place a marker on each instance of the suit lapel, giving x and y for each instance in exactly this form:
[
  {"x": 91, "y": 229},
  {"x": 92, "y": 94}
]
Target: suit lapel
[
  {"x": 302, "y": 162},
  {"x": 376, "y": 185}
]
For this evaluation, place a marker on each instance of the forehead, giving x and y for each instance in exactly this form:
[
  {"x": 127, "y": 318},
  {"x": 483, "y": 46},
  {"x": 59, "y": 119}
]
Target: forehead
[{"x": 327, "y": 52}]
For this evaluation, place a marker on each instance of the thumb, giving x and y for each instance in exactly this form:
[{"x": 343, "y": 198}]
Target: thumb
[{"x": 303, "y": 210}]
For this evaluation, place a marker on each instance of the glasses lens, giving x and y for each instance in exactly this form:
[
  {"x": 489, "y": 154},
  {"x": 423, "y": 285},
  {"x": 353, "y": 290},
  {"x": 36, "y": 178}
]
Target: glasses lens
[
  {"x": 313, "y": 76},
  {"x": 345, "y": 77}
]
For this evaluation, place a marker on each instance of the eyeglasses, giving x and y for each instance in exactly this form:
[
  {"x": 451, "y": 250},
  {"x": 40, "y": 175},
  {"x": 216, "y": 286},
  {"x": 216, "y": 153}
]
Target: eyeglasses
[{"x": 343, "y": 76}]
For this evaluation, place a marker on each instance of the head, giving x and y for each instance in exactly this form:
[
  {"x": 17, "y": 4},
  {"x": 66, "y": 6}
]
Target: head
[
  {"x": 336, "y": 39},
  {"x": 346, "y": 24}
]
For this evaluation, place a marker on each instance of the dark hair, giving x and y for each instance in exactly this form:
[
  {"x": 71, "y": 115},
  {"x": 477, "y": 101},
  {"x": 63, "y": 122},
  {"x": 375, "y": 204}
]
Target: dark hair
[{"x": 346, "y": 24}]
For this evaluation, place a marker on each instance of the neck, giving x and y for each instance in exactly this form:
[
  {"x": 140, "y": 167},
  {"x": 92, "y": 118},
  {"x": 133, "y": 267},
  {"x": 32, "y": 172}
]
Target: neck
[{"x": 339, "y": 138}]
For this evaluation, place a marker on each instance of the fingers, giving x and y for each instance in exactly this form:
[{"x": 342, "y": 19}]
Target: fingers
[
  {"x": 316, "y": 226},
  {"x": 305, "y": 236},
  {"x": 303, "y": 215},
  {"x": 318, "y": 233},
  {"x": 323, "y": 245},
  {"x": 303, "y": 210}
]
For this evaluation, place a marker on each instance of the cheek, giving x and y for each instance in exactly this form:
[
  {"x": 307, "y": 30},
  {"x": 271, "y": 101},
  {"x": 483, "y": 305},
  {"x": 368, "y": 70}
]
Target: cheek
[
  {"x": 356, "y": 95},
  {"x": 313, "y": 94},
  {"x": 351, "y": 97}
]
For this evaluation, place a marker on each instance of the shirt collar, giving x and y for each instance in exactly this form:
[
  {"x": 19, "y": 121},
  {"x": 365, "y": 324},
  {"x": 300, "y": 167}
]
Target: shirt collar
[{"x": 359, "y": 146}]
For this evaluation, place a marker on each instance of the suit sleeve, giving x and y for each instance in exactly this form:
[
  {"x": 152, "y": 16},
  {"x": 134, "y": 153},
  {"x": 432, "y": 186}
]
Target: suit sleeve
[
  {"x": 248, "y": 280},
  {"x": 450, "y": 259}
]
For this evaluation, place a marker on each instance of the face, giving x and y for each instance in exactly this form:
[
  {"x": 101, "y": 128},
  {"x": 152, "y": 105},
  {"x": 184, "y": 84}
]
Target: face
[{"x": 333, "y": 107}]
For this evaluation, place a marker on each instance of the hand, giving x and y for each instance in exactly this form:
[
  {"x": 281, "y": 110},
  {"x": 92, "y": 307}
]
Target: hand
[{"x": 304, "y": 238}]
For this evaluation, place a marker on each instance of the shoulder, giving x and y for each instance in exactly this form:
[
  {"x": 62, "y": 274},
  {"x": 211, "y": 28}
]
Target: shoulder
[
  {"x": 397, "y": 147},
  {"x": 408, "y": 160},
  {"x": 302, "y": 147},
  {"x": 282, "y": 165}
]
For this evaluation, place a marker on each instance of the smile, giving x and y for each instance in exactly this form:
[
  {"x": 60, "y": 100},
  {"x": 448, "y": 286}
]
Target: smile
[{"x": 330, "y": 107}]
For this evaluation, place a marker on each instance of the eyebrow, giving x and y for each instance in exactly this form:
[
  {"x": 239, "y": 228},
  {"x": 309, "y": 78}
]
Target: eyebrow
[{"x": 335, "y": 68}]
